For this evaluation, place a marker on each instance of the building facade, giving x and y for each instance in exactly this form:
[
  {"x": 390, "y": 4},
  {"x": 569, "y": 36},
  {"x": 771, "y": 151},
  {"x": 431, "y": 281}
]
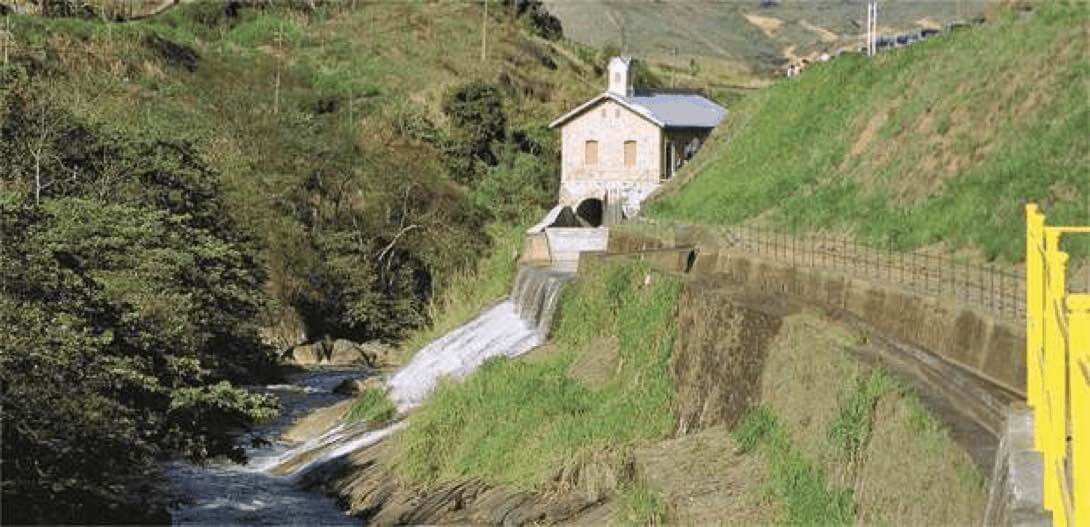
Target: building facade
[{"x": 620, "y": 146}]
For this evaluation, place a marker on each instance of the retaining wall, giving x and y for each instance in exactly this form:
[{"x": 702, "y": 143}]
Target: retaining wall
[{"x": 978, "y": 342}]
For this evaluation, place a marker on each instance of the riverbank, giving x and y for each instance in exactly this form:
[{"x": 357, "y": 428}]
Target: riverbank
[{"x": 647, "y": 372}]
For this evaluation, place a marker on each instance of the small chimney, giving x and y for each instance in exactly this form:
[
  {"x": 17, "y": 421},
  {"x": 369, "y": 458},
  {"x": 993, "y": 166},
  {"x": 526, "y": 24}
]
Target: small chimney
[{"x": 619, "y": 81}]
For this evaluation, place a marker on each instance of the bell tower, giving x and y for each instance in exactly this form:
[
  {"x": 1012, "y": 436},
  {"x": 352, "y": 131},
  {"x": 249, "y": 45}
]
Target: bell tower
[{"x": 620, "y": 83}]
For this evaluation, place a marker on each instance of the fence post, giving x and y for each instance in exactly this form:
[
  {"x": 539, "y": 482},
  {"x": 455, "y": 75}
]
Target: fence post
[
  {"x": 1079, "y": 345},
  {"x": 1034, "y": 298},
  {"x": 1054, "y": 428}
]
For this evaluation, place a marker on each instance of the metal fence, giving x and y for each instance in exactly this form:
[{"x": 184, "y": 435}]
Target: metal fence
[{"x": 998, "y": 291}]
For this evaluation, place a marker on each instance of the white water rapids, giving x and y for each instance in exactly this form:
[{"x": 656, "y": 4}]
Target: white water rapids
[{"x": 265, "y": 491}]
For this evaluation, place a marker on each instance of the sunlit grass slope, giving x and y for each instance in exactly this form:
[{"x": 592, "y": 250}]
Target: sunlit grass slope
[
  {"x": 521, "y": 421},
  {"x": 940, "y": 142}
]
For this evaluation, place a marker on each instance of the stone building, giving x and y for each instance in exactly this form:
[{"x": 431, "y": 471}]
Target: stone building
[{"x": 619, "y": 146}]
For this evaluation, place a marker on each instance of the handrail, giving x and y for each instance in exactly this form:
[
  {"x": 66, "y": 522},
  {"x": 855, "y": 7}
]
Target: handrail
[{"x": 1058, "y": 371}]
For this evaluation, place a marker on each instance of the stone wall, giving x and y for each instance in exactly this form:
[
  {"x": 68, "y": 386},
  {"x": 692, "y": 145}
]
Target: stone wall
[{"x": 611, "y": 125}]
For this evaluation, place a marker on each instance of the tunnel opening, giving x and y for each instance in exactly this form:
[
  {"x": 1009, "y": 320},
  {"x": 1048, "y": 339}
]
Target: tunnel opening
[{"x": 590, "y": 210}]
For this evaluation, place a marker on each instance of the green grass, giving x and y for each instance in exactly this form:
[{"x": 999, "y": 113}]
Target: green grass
[
  {"x": 943, "y": 141},
  {"x": 372, "y": 406},
  {"x": 516, "y": 422},
  {"x": 851, "y": 429},
  {"x": 639, "y": 505},
  {"x": 797, "y": 482}
]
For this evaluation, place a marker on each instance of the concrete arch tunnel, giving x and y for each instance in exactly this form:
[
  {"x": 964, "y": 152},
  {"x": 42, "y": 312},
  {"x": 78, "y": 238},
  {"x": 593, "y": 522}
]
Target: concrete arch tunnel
[{"x": 591, "y": 210}]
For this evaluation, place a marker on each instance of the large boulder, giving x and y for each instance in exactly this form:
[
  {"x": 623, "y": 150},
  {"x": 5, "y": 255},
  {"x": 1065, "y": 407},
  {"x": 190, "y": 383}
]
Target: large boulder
[
  {"x": 307, "y": 354},
  {"x": 344, "y": 352},
  {"x": 379, "y": 355}
]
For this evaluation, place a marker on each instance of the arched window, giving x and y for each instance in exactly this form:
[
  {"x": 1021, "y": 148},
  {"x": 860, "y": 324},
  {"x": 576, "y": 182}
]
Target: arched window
[
  {"x": 629, "y": 153},
  {"x": 590, "y": 153}
]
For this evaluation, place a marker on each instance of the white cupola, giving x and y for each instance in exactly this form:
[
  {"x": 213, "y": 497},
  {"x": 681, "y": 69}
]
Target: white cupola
[{"x": 619, "y": 81}]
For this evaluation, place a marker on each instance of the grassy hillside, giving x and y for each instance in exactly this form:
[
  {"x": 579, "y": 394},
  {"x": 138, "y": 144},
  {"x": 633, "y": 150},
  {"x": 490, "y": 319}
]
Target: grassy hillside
[
  {"x": 184, "y": 196},
  {"x": 525, "y": 423},
  {"x": 330, "y": 122},
  {"x": 939, "y": 143},
  {"x": 636, "y": 365},
  {"x": 743, "y": 36}
]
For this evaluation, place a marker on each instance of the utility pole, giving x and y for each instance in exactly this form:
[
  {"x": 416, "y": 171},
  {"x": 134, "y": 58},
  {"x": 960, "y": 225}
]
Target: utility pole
[
  {"x": 874, "y": 33},
  {"x": 872, "y": 28},
  {"x": 484, "y": 33}
]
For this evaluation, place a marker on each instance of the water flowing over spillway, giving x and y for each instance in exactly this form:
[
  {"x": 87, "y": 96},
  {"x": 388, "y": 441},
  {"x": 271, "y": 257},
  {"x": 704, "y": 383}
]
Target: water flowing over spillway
[
  {"x": 509, "y": 328},
  {"x": 265, "y": 492}
]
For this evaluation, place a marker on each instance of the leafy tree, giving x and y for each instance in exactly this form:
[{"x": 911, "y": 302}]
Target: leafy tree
[
  {"x": 129, "y": 299},
  {"x": 476, "y": 110}
]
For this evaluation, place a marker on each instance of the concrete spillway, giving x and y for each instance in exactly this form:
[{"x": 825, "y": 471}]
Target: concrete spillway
[{"x": 509, "y": 328}]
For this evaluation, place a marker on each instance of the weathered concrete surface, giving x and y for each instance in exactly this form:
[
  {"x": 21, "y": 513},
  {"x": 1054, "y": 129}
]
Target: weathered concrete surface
[
  {"x": 1015, "y": 497},
  {"x": 980, "y": 343},
  {"x": 719, "y": 353},
  {"x": 565, "y": 243},
  {"x": 671, "y": 260},
  {"x": 535, "y": 248}
]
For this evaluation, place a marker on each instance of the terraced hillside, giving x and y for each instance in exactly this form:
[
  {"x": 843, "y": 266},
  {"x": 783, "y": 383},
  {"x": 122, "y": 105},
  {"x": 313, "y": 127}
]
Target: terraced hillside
[
  {"x": 750, "y": 36},
  {"x": 936, "y": 145}
]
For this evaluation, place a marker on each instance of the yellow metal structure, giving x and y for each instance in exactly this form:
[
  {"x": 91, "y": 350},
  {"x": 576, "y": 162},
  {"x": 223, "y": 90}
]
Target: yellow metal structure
[{"x": 1058, "y": 371}]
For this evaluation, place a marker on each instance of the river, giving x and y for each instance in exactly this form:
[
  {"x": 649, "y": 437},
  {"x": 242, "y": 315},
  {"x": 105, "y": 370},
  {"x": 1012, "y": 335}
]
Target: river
[{"x": 265, "y": 490}]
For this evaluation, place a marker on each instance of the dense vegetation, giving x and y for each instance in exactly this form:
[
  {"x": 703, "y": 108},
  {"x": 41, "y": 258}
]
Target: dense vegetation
[
  {"x": 183, "y": 197},
  {"x": 523, "y": 422},
  {"x": 129, "y": 300},
  {"x": 943, "y": 141}
]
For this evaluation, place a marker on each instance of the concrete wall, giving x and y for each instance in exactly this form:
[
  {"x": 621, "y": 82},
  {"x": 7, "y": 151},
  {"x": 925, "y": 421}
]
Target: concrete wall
[
  {"x": 563, "y": 244},
  {"x": 611, "y": 125},
  {"x": 981, "y": 344}
]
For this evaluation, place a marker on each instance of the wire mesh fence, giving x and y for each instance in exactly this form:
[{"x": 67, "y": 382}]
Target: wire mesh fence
[{"x": 999, "y": 291}]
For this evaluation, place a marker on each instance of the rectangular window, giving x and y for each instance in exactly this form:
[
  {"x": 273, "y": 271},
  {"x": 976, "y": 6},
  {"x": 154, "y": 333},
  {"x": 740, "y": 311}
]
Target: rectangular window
[
  {"x": 590, "y": 153},
  {"x": 629, "y": 153}
]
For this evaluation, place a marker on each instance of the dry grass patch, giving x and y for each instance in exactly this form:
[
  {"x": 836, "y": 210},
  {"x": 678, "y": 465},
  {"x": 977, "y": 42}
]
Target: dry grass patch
[
  {"x": 597, "y": 365},
  {"x": 807, "y": 374},
  {"x": 705, "y": 480},
  {"x": 866, "y": 431},
  {"x": 913, "y": 473},
  {"x": 768, "y": 25}
]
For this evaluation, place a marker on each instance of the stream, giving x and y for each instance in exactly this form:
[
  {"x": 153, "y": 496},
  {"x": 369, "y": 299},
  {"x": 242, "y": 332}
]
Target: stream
[
  {"x": 225, "y": 493},
  {"x": 265, "y": 490}
]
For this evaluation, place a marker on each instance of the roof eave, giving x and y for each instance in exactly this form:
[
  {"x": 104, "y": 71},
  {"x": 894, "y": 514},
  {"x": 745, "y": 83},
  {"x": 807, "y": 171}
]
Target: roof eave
[{"x": 611, "y": 96}]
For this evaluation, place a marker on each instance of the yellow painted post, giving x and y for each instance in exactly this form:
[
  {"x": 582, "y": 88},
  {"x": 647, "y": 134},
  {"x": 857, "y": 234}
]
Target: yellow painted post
[
  {"x": 1055, "y": 382},
  {"x": 1034, "y": 296},
  {"x": 1079, "y": 345}
]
